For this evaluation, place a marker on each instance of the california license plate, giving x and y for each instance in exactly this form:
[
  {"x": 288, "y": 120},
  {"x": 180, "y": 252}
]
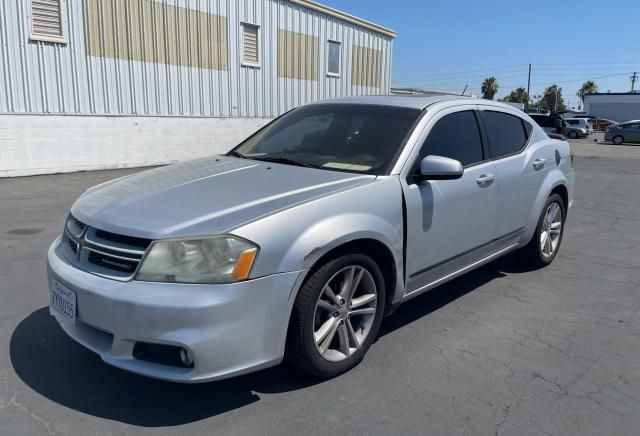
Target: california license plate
[{"x": 63, "y": 301}]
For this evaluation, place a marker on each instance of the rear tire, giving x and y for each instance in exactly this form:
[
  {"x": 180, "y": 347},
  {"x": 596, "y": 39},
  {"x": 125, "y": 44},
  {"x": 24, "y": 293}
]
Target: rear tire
[
  {"x": 573, "y": 135},
  {"x": 617, "y": 140},
  {"x": 545, "y": 243},
  {"x": 336, "y": 316}
]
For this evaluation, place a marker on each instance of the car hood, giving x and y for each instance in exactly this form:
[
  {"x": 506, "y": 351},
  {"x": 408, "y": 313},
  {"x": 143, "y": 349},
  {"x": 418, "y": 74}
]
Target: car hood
[{"x": 205, "y": 196}]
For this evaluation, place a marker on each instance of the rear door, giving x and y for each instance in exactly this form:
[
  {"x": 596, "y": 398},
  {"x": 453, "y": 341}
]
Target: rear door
[
  {"x": 449, "y": 222},
  {"x": 520, "y": 173},
  {"x": 634, "y": 132}
]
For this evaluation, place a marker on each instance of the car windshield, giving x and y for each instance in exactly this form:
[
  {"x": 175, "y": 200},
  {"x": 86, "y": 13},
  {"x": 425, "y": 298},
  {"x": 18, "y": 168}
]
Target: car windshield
[{"x": 340, "y": 137}]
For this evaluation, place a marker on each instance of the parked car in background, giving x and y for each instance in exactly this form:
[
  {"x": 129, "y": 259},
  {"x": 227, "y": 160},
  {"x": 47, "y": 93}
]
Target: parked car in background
[
  {"x": 555, "y": 124},
  {"x": 297, "y": 242},
  {"x": 597, "y": 124},
  {"x": 624, "y": 132},
  {"x": 580, "y": 123}
]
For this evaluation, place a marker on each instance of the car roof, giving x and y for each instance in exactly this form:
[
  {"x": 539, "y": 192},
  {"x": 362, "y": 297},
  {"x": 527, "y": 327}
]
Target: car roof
[{"x": 411, "y": 101}]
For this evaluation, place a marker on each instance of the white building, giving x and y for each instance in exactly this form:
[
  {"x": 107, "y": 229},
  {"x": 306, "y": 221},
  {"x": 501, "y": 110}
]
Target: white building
[
  {"x": 618, "y": 106},
  {"x": 97, "y": 84}
]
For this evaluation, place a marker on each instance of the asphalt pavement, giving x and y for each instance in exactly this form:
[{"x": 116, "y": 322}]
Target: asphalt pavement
[{"x": 502, "y": 350}]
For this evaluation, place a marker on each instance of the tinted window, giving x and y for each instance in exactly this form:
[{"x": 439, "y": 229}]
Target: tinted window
[
  {"x": 528, "y": 127},
  {"x": 340, "y": 137},
  {"x": 573, "y": 122},
  {"x": 456, "y": 136},
  {"x": 506, "y": 133}
]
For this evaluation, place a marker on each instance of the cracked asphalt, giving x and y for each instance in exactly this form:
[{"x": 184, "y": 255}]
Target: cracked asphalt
[{"x": 501, "y": 350}]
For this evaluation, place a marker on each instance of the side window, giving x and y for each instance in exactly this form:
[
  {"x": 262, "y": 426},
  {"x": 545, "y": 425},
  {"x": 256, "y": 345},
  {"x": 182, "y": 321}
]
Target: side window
[
  {"x": 529, "y": 128},
  {"x": 456, "y": 136},
  {"x": 507, "y": 134}
]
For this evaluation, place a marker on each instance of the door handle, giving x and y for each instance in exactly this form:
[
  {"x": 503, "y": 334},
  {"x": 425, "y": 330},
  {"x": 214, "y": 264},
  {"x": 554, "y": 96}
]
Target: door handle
[
  {"x": 485, "y": 179},
  {"x": 538, "y": 164}
]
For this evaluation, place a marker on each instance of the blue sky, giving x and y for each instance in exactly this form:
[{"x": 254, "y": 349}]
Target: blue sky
[{"x": 447, "y": 44}]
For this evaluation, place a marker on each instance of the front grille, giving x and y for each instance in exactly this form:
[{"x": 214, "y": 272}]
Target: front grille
[
  {"x": 122, "y": 239},
  {"x": 104, "y": 253},
  {"x": 73, "y": 245},
  {"x": 79, "y": 224},
  {"x": 110, "y": 262}
]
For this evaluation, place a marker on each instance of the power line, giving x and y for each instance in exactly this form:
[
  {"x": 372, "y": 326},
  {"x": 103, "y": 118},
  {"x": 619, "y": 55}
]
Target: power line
[
  {"x": 458, "y": 73},
  {"x": 592, "y": 63}
]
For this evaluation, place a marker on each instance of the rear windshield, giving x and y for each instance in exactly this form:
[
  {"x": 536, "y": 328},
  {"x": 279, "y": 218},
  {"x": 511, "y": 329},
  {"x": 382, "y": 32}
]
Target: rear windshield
[{"x": 339, "y": 137}]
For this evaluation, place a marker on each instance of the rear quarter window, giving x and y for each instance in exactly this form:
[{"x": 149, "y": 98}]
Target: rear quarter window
[{"x": 507, "y": 133}]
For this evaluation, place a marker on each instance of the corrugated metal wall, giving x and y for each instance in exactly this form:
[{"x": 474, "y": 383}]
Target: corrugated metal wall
[{"x": 88, "y": 76}]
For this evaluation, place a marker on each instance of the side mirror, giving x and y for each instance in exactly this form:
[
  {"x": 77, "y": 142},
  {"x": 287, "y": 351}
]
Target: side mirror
[{"x": 439, "y": 168}]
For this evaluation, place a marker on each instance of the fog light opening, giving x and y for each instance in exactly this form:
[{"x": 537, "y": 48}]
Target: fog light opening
[{"x": 186, "y": 358}]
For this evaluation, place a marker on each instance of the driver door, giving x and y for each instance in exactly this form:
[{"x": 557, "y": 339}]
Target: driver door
[{"x": 450, "y": 223}]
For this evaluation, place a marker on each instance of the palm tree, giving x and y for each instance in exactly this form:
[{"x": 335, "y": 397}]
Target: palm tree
[
  {"x": 489, "y": 88},
  {"x": 588, "y": 87},
  {"x": 518, "y": 96}
]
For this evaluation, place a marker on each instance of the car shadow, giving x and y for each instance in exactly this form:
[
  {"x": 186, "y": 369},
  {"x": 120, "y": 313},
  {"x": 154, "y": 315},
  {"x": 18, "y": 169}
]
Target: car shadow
[{"x": 58, "y": 368}]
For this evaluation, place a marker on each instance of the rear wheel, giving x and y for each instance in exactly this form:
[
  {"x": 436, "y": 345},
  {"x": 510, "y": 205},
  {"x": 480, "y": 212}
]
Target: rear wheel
[
  {"x": 336, "y": 316},
  {"x": 573, "y": 135},
  {"x": 545, "y": 243},
  {"x": 617, "y": 140}
]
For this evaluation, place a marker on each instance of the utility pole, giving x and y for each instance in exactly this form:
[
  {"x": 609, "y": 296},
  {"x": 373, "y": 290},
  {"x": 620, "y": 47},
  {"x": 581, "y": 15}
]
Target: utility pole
[
  {"x": 528, "y": 87},
  {"x": 633, "y": 80}
]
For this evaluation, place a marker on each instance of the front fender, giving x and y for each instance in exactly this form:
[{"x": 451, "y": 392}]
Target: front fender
[{"x": 294, "y": 239}]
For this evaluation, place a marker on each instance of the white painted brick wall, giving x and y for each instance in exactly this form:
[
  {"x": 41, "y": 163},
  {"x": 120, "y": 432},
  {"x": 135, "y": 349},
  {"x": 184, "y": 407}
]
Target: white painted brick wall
[{"x": 47, "y": 144}]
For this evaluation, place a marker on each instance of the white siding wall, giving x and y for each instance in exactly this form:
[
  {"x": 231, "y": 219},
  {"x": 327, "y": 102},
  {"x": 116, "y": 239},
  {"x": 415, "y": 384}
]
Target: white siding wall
[
  {"x": 41, "y": 77},
  {"x": 45, "y": 144},
  {"x": 616, "y": 107},
  {"x": 111, "y": 113}
]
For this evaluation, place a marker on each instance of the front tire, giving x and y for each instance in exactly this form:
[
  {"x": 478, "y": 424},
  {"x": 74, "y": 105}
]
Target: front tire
[
  {"x": 545, "y": 243},
  {"x": 336, "y": 316},
  {"x": 573, "y": 135},
  {"x": 617, "y": 140}
]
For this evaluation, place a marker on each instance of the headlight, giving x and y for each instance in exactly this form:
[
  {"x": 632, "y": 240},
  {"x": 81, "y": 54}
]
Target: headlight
[{"x": 221, "y": 259}]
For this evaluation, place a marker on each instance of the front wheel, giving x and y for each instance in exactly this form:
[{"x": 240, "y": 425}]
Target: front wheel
[
  {"x": 336, "y": 316},
  {"x": 573, "y": 135},
  {"x": 545, "y": 243},
  {"x": 618, "y": 140}
]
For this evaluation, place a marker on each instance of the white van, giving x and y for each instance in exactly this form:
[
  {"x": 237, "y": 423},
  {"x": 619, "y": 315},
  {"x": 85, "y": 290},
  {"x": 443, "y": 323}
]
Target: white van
[{"x": 581, "y": 123}]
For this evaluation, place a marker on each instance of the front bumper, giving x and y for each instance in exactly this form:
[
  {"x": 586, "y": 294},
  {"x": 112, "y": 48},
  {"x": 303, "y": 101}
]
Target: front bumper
[{"x": 228, "y": 329}]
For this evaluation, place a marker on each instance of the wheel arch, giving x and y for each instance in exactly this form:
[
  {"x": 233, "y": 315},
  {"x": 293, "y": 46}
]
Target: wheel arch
[
  {"x": 563, "y": 192},
  {"x": 555, "y": 182},
  {"x": 374, "y": 248}
]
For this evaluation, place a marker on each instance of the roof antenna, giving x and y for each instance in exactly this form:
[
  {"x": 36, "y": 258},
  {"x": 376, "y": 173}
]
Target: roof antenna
[{"x": 465, "y": 89}]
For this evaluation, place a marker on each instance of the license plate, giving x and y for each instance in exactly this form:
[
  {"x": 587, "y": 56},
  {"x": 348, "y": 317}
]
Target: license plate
[{"x": 63, "y": 301}]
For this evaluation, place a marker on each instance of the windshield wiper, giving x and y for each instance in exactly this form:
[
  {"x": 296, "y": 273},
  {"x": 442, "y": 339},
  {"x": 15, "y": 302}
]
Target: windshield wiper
[
  {"x": 236, "y": 154},
  {"x": 285, "y": 160}
]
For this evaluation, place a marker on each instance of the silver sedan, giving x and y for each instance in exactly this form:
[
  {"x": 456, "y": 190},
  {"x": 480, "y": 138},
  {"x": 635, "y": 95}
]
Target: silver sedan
[{"x": 296, "y": 243}]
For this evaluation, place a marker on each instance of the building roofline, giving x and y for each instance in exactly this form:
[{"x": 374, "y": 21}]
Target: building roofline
[
  {"x": 612, "y": 93},
  {"x": 346, "y": 17}
]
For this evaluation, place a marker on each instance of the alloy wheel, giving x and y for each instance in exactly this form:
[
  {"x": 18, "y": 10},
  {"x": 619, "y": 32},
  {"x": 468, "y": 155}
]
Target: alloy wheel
[
  {"x": 551, "y": 230},
  {"x": 344, "y": 313}
]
